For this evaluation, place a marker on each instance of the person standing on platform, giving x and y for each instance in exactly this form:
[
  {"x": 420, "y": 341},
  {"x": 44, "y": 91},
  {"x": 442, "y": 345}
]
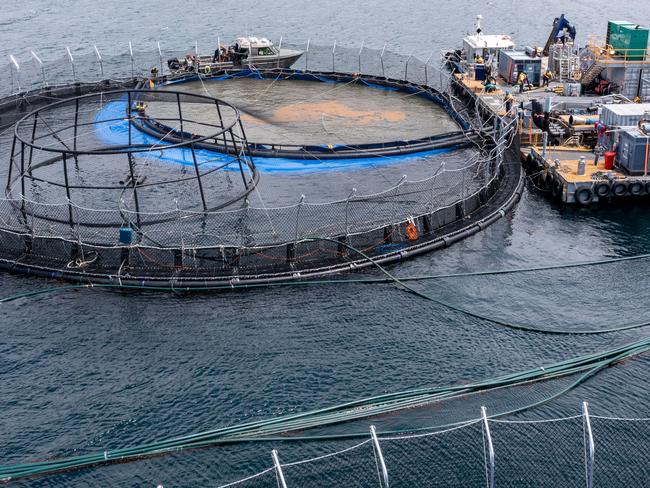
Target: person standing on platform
[
  {"x": 548, "y": 77},
  {"x": 508, "y": 100},
  {"x": 521, "y": 80}
]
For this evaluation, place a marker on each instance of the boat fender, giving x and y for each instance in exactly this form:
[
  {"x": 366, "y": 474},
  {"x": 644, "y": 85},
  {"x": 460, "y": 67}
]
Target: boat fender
[
  {"x": 635, "y": 188},
  {"x": 558, "y": 186},
  {"x": 528, "y": 162},
  {"x": 602, "y": 189},
  {"x": 619, "y": 189},
  {"x": 583, "y": 196},
  {"x": 548, "y": 181}
]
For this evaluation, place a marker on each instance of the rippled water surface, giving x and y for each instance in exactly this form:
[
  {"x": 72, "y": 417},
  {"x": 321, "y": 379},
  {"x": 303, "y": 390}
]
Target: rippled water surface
[{"x": 88, "y": 370}]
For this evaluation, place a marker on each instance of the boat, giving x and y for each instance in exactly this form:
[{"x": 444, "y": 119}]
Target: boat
[{"x": 244, "y": 52}]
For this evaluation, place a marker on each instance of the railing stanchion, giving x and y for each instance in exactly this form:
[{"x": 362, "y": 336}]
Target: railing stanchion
[
  {"x": 74, "y": 73},
  {"x": 40, "y": 62},
  {"x": 440, "y": 169},
  {"x": 406, "y": 68},
  {"x": 101, "y": 62},
  {"x": 333, "y": 51},
  {"x": 278, "y": 55},
  {"x": 490, "y": 448},
  {"x": 347, "y": 205},
  {"x": 426, "y": 73},
  {"x": 160, "y": 56},
  {"x": 589, "y": 445},
  {"x": 132, "y": 61},
  {"x": 278, "y": 470},
  {"x": 307, "y": 55},
  {"x": 383, "y": 481},
  {"x": 381, "y": 59},
  {"x": 297, "y": 231},
  {"x": 15, "y": 64},
  {"x": 360, "y": 51}
]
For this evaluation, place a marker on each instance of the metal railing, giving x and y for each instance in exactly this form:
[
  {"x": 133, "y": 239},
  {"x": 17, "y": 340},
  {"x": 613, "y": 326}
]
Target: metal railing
[
  {"x": 92, "y": 64},
  {"x": 582, "y": 450}
]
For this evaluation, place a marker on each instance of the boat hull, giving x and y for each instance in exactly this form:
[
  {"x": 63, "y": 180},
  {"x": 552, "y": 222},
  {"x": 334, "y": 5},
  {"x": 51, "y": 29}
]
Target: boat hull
[{"x": 284, "y": 60}]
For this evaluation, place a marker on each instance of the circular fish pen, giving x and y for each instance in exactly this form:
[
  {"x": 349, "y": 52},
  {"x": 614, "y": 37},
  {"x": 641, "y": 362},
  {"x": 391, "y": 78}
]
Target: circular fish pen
[
  {"x": 323, "y": 115},
  {"x": 184, "y": 184}
]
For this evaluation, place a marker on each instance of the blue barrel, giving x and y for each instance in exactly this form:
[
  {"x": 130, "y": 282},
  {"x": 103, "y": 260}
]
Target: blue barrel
[
  {"x": 126, "y": 235},
  {"x": 479, "y": 72}
]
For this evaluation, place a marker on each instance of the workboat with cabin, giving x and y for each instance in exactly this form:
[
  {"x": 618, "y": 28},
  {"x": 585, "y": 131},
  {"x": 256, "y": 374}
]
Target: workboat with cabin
[{"x": 245, "y": 52}]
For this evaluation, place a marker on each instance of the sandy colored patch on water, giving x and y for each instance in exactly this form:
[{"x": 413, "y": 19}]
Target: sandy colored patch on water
[
  {"x": 305, "y": 112},
  {"x": 312, "y": 112}
]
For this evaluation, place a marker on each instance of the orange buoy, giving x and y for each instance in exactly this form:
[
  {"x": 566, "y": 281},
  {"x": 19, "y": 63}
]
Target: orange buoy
[{"x": 411, "y": 232}]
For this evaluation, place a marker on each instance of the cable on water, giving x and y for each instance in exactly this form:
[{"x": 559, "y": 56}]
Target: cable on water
[{"x": 402, "y": 281}]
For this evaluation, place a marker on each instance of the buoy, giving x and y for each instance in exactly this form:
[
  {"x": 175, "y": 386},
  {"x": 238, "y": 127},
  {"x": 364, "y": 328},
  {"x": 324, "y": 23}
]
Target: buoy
[{"x": 411, "y": 232}]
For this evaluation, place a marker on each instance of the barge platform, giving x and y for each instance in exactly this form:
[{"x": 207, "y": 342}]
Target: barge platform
[{"x": 556, "y": 168}]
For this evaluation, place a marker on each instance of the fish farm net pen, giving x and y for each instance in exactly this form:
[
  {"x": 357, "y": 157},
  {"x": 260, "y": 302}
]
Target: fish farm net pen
[
  {"x": 231, "y": 241},
  {"x": 220, "y": 240},
  {"x": 340, "y": 281},
  {"x": 264, "y": 430}
]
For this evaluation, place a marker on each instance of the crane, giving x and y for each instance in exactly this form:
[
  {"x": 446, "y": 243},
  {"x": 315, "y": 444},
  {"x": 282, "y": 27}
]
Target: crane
[{"x": 561, "y": 28}]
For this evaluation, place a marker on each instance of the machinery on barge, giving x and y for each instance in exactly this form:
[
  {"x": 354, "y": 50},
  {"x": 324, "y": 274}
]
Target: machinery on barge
[{"x": 581, "y": 118}]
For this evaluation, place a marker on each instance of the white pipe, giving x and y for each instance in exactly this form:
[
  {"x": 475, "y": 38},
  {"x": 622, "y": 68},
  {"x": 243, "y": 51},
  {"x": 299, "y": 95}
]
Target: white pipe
[
  {"x": 490, "y": 446},
  {"x": 278, "y": 469},
  {"x": 589, "y": 467},
  {"x": 380, "y": 456},
  {"x": 35, "y": 56}
]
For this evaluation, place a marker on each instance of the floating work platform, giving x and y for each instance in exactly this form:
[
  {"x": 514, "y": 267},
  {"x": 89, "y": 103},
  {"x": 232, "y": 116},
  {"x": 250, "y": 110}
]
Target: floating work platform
[
  {"x": 585, "y": 133},
  {"x": 556, "y": 168},
  {"x": 557, "y": 171}
]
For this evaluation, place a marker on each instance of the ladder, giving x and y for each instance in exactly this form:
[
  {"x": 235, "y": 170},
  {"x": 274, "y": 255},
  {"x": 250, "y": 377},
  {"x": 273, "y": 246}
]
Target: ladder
[{"x": 590, "y": 75}]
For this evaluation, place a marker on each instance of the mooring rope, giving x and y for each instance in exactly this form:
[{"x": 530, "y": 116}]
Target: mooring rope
[{"x": 390, "y": 278}]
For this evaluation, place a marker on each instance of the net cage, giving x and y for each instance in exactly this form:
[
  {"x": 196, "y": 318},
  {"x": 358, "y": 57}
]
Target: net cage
[{"x": 87, "y": 200}]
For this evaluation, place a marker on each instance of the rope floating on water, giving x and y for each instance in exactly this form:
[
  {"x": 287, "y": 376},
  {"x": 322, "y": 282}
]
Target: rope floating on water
[{"x": 402, "y": 281}]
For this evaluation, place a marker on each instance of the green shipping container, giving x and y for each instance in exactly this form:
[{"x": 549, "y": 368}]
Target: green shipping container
[{"x": 629, "y": 40}]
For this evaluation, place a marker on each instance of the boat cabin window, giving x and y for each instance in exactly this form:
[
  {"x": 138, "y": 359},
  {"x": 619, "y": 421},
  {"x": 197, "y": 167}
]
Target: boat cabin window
[{"x": 266, "y": 51}]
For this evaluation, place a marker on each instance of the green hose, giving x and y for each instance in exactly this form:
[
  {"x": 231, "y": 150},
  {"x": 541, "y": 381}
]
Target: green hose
[{"x": 267, "y": 430}]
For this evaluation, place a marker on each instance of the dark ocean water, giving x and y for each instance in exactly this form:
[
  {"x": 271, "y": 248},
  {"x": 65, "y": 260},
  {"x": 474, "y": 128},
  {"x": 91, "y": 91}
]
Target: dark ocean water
[{"x": 91, "y": 370}]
